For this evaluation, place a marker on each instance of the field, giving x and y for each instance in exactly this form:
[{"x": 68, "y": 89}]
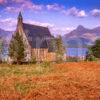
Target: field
[{"x": 66, "y": 81}]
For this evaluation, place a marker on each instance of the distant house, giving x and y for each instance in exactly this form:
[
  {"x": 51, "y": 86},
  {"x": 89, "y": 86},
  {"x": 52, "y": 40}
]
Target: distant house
[{"x": 37, "y": 41}]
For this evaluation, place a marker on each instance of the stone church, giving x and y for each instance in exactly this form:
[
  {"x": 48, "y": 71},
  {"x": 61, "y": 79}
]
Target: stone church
[{"x": 36, "y": 40}]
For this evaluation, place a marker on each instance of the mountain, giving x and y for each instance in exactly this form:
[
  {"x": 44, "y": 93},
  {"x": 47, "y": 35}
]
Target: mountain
[
  {"x": 5, "y": 34},
  {"x": 81, "y": 37}
]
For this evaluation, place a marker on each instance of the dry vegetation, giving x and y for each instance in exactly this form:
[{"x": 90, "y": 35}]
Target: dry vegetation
[{"x": 67, "y": 81}]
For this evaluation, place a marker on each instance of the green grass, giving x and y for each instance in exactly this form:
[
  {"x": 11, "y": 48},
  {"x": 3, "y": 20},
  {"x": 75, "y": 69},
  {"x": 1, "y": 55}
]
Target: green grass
[
  {"x": 24, "y": 70},
  {"x": 21, "y": 87}
]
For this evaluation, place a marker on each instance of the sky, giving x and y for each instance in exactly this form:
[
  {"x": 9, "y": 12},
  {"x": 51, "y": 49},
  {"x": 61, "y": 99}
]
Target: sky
[{"x": 60, "y": 16}]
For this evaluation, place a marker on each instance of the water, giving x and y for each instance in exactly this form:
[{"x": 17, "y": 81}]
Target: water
[
  {"x": 76, "y": 51},
  {"x": 69, "y": 51}
]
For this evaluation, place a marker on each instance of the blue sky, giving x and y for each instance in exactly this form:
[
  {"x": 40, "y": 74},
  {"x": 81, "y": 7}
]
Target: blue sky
[{"x": 61, "y": 16}]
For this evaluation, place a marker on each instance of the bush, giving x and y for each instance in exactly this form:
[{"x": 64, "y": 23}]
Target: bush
[
  {"x": 90, "y": 58},
  {"x": 33, "y": 60},
  {"x": 72, "y": 59},
  {"x": 45, "y": 64},
  {"x": 0, "y": 61},
  {"x": 59, "y": 61}
]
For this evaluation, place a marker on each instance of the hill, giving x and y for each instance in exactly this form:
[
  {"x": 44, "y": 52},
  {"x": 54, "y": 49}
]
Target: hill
[
  {"x": 81, "y": 36},
  {"x": 5, "y": 34}
]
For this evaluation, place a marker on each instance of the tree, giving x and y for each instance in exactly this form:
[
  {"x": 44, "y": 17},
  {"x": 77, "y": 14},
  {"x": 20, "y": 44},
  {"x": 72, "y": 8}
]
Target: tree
[
  {"x": 89, "y": 55},
  {"x": 52, "y": 44},
  {"x": 59, "y": 48},
  {"x": 96, "y": 49},
  {"x": 93, "y": 52},
  {"x": 3, "y": 48},
  {"x": 16, "y": 48}
]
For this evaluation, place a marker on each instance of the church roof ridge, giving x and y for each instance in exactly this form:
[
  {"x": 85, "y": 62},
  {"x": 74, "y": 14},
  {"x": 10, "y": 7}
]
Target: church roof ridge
[{"x": 36, "y": 25}]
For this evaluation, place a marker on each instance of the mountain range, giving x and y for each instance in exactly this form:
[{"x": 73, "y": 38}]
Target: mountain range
[
  {"x": 6, "y": 35},
  {"x": 81, "y": 37}
]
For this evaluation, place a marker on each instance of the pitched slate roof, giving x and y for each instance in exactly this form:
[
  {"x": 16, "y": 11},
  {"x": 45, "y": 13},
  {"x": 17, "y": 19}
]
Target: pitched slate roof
[{"x": 38, "y": 36}]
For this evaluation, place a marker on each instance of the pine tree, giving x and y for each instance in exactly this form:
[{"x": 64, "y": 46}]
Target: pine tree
[
  {"x": 3, "y": 48},
  {"x": 60, "y": 50},
  {"x": 89, "y": 55},
  {"x": 52, "y": 44},
  {"x": 96, "y": 49},
  {"x": 16, "y": 48},
  {"x": 93, "y": 52}
]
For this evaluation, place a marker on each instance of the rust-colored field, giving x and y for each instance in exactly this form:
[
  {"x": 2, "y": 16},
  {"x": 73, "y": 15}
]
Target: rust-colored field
[{"x": 67, "y": 81}]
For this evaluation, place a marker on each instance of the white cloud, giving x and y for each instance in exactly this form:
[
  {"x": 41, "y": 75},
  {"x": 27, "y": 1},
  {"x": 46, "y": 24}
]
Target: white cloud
[
  {"x": 8, "y": 24},
  {"x": 75, "y": 12},
  {"x": 19, "y": 1},
  {"x": 39, "y": 23},
  {"x": 71, "y": 11},
  {"x": 95, "y": 12},
  {"x": 31, "y": 5},
  {"x": 81, "y": 13},
  {"x": 61, "y": 30},
  {"x": 12, "y": 9},
  {"x": 21, "y": 5},
  {"x": 55, "y": 7}
]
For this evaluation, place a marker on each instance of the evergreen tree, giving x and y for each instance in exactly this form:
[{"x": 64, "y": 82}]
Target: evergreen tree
[
  {"x": 16, "y": 48},
  {"x": 3, "y": 48},
  {"x": 96, "y": 49},
  {"x": 59, "y": 49},
  {"x": 93, "y": 52},
  {"x": 52, "y": 44},
  {"x": 89, "y": 55}
]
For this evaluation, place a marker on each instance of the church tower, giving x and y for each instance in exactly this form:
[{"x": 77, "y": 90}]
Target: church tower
[
  {"x": 19, "y": 24},
  {"x": 20, "y": 19}
]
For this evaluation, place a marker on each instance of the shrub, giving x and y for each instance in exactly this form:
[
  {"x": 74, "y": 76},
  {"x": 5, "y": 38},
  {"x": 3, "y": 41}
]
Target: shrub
[
  {"x": 33, "y": 60},
  {"x": 0, "y": 61},
  {"x": 21, "y": 87},
  {"x": 72, "y": 59},
  {"x": 90, "y": 58},
  {"x": 45, "y": 64},
  {"x": 59, "y": 61}
]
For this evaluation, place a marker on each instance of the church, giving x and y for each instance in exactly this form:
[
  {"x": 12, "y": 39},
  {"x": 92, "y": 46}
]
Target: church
[{"x": 36, "y": 40}]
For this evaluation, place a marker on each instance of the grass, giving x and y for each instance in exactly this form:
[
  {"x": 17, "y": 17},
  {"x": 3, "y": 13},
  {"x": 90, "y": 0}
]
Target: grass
[
  {"x": 74, "y": 81},
  {"x": 23, "y": 70},
  {"x": 21, "y": 87}
]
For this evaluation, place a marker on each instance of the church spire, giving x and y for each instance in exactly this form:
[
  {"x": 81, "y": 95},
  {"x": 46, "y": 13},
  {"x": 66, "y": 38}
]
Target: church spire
[
  {"x": 20, "y": 18},
  {"x": 20, "y": 15}
]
